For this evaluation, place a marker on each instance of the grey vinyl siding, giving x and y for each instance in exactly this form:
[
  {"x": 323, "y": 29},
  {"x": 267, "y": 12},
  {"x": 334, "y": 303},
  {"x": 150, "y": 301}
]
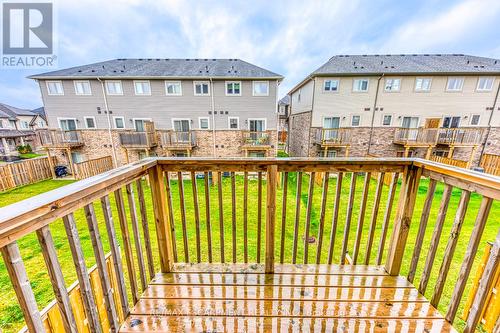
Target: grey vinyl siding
[
  {"x": 305, "y": 103},
  {"x": 160, "y": 107}
]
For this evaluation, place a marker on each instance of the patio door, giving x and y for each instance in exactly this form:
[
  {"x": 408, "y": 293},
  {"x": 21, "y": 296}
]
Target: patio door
[
  {"x": 181, "y": 130},
  {"x": 140, "y": 125},
  {"x": 330, "y": 127},
  {"x": 411, "y": 124},
  {"x": 257, "y": 125},
  {"x": 451, "y": 122},
  {"x": 67, "y": 124}
]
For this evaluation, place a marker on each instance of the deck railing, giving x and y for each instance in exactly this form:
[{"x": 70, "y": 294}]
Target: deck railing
[
  {"x": 60, "y": 138},
  {"x": 256, "y": 138},
  {"x": 138, "y": 139},
  {"x": 178, "y": 138},
  {"x": 426, "y": 136},
  {"x": 334, "y": 136},
  {"x": 265, "y": 210},
  {"x": 460, "y": 136},
  {"x": 449, "y": 161}
]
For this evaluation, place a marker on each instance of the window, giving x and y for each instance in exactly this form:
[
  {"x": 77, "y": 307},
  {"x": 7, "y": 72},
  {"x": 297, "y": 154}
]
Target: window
[
  {"x": 119, "y": 122},
  {"x": 257, "y": 125},
  {"x": 261, "y": 88},
  {"x": 360, "y": 85},
  {"x": 55, "y": 88},
  {"x": 114, "y": 88},
  {"x": 12, "y": 123},
  {"x": 387, "y": 120},
  {"x": 410, "y": 122},
  {"x": 423, "y": 84},
  {"x": 201, "y": 88},
  {"x": 204, "y": 122},
  {"x": 233, "y": 122},
  {"x": 67, "y": 124},
  {"x": 300, "y": 93},
  {"x": 181, "y": 125},
  {"x": 355, "y": 120},
  {"x": 25, "y": 124},
  {"x": 233, "y": 88},
  {"x": 142, "y": 88},
  {"x": 392, "y": 84},
  {"x": 331, "y": 85},
  {"x": 82, "y": 88},
  {"x": 451, "y": 122},
  {"x": 140, "y": 124},
  {"x": 1, "y": 123},
  {"x": 455, "y": 84},
  {"x": 485, "y": 84},
  {"x": 474, "y": 120},
  {"x": 330, "y": 153},
  {"x": 173, "y": 88}
]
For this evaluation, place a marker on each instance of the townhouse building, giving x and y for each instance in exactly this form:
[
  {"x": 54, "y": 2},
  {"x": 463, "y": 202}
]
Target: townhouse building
[
  {"x": 398, "y": 105},
  {"x": 130, "y": 108}
]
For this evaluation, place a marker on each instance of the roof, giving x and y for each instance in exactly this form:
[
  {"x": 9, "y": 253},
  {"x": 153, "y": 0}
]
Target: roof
[
  {"x": 285, "y": 100},
  {"x": 8, "y": 133},
  {"x": 13, "y": 112},
  {"x": 40, "y": 112},
  {"x": 406, "y": 64},
  {"x": 178, "y": 68}
]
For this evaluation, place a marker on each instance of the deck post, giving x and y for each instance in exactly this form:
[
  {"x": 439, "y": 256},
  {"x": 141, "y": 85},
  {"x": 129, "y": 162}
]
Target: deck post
[
  {"x": 162, "y": 220},
  {"x": 404, "y": 213},
  {"x": 272, "y": 173}
]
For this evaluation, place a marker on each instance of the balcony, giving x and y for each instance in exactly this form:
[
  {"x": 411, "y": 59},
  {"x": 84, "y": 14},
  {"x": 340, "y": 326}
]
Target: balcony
[
  {"x": 256, "y": 141},
  {"x": 334, "y": 137},
  {"x": 60, "y": 138},
  {"x": 240, "y": 255},
  {"x": 138, "y": 140},
  {"x": 416, "y": 137},
  {"x": 178, "y": 140},
  {"x": 461, "y": 136}
]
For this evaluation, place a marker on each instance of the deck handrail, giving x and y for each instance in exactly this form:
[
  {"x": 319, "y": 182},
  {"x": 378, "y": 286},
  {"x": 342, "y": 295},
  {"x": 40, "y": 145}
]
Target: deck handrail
[
  {"x": 334, "y": 135},
  {"x": 256, "y": 138},
  {"x": 59, "y": 137},
  {"x": 138, "y": 139},
  {"x": 460, "y": 135},
  {"x": 169, "y": 176},
  {"x": 416, "y": 135},
  {"x": 172, "y": 138}
]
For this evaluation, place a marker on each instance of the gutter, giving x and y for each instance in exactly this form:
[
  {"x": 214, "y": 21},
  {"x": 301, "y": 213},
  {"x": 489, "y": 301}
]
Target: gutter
[
  {"x": 489, "y": 124},
  {"x": 373, "y": 113},
  {"x": 115, "y": 160}
]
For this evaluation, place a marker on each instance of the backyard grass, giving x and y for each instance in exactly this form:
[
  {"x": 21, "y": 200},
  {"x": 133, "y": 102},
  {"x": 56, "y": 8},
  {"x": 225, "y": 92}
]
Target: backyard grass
[
  {"x": 11, "y": 318},
  {"x": 29, "y": 155}
]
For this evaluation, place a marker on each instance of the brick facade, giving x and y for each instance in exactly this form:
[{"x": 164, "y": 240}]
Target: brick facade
[{"x": 299, "y": 137}]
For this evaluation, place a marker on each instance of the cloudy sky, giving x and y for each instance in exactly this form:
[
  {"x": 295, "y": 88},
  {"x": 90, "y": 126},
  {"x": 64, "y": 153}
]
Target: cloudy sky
[{"x": 291, "y": 38}]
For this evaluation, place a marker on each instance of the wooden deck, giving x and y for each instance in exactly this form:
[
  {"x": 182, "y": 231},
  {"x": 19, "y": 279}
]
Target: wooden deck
[{"x": 242, "y": 298}]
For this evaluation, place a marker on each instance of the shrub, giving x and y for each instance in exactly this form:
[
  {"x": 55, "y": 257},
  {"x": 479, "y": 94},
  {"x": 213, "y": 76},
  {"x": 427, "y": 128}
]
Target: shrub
[{"x": 24, "y": 149}]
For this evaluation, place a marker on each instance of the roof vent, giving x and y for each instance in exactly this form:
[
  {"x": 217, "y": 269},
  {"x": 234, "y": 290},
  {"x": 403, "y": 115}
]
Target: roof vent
[
  {"x": 140, "y": 59},
  {"x": 205, "y": 59},
  {"x": 79, "y": 71},
  {"x": 214, "y": 59},
  {"x": 150, "y": 59},
  {"x": 426, "y": 55},
  {"x": 392, "y": 66},
  {"x": 93, "y": 71},
  {"x": 362, "y": 67},
  {"x": 102, "y": 66},
  {"x": 387, "y": 55},
  {"x": 468, "y": 62},
  {"x": 496, "y": 61},
  {"x": 382, "y": 62},
  {"x": 196, "y": 59},
  {"x": 365, "y": 55},
  {"x": 356, "y": 67},
  {"x": 187, "y": 59},
  {"x": 158, "y": 59}
]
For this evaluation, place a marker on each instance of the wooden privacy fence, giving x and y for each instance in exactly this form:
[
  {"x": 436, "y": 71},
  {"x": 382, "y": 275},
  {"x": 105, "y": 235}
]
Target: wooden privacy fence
[
  {"x": 449, "y": 161},
  {"x": 23, "y": 173},
  {"x": 491, "y": 164},
  {"x": 93, "y": 167}
]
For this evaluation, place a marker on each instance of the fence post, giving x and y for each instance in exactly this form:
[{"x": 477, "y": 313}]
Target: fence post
[
  {"x": 404, "y": 213},
  {"x": 272, "y": 174}
]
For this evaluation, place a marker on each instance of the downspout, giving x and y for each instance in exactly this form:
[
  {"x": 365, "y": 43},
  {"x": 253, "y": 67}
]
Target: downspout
[
  {"x": 212, "y": 98},
  {"x": 115, "y": 160},
  {"x": 277, "y": 119},
  {"x": 373, "y": 114},
  {"x": 489, "y": 124}
]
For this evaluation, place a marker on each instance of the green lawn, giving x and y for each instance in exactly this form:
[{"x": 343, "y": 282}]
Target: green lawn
[
  {"x": 11, "y": 316},
  {"x": 29, "y": 155}
]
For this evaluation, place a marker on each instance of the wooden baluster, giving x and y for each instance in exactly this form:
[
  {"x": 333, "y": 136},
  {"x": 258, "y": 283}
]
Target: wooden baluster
[
  {"x": 115, "y": 253},
  {"x": 402, "y": 222},
  {"x": 283, "y": 217},
  {"x": 421, "y": 229},
  {"x": 137, "y": 236},
  {"x": 470, "y": 255},
  {"x": 245, "y": 217},
  {"x": 122, "y": 218},
  {"x": 145, "y": 228},
  {"x": 81, "y": 272},
  {"x": 182, "y": 204},
  {"x": 221, "y": 216},
  {"x": 207, "y": 216},
  {"x": 297, "y": 217},
  {"x": 484, "y": 289},
  {"x": 436, "y": 235},
  {"x": 19, "y": 279},
  {"x": 373, "y": 223},
  {"x": 387, "y": 217},
  {"x": 308, "y": 216},
  {"x": 56, "y": 278},
  {"x": 164, "y": 221},
  {"x": 170, "y": 206},
  {"x": 450, "y": 247},
  {"x": 361, "y": 217},
  {"x": 102, "y": 267},
  {"x": 335, "y": 216},
  {"x": 324, "y": 195},
  {"x": 259, "y": 215},
  {"x": 350, "y": 205},
  {"x": 196, "y": 216},
  {"x": 272, "y": 177},
  {"x": 233, "y": 213}
]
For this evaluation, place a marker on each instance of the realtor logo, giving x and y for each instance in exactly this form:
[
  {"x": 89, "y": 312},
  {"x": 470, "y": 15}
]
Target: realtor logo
[{"x": 27, "y": 34}]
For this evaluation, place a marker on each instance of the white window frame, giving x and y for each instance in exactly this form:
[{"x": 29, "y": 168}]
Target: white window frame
[
  {"x": 82, "y": 81},
  {"x": 331, "y": 91},
  {"x": 265, "y": 123},
  {"x": 173, "y": 82},
  {"x": 135, "y": 87},
  {"x": 229, "y": 123},
  {"x": 355, "y": 115},
  {"x": 453, "y": 78},
  {"x": 423, "y": 90},
  {"x": 478, "y": 122},
  {"x": 114, "y": 122},
  {"x": 354, "y": 87},
  {"x": 188, "y": 119},
  {"x": 21, "y": 122},
  {"x": 392, "y": 79},
  {"x": 298, "y": 95},
  {"x": 485, "y": 77},
  {"x": 199, "y": 123},
  {"x": 114, "y": 81},
  {"x": 253, "y": 88},
  {"x": 66, "y": 118},
  {"x": 383, "y": 116},
  {"x": 134, "y": 119},
  {"x": 233, "y": 82},
  {"x": 85, "y": 122},
  {"x": 54, "y": 81},
  {"x": 201, "y": 82}
]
